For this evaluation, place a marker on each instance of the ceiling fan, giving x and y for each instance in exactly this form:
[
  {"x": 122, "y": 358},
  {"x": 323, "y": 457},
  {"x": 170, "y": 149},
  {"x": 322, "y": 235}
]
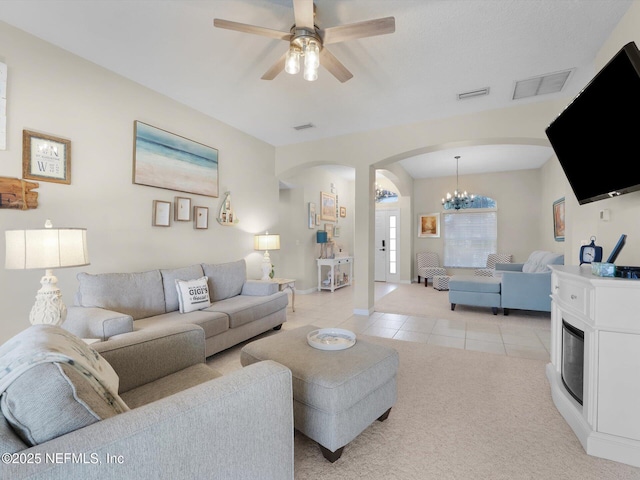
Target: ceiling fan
[{"x": 308, "y": 42}]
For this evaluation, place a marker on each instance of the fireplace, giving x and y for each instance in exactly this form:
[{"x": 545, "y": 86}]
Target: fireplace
[{"x": 572, "y": 360}]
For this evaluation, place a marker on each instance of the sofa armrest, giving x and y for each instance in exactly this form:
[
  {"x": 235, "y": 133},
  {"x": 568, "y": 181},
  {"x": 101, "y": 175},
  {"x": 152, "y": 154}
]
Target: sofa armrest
[
  {"x": 526, "y": 291},
  {"x": 259, "y": 288},
  {"x": 146, "y": 355},
  {"x": 236, "y": 426},
  {"x": 95, "y": 322},
  {"x": 509, "y": 267}
]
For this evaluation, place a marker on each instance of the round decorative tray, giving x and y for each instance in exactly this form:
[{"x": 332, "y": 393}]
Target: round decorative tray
[{"x": 331, "y": 339}]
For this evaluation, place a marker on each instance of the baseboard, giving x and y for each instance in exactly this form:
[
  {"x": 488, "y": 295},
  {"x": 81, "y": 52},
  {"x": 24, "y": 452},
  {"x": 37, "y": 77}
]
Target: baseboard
[{"x": 362, "y": 311}]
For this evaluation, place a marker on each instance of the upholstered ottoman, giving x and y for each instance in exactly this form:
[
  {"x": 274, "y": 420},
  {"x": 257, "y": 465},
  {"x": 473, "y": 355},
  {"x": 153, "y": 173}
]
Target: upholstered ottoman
[
  {"x": 474, "y": 290},
  {"x": 441, "y": 282},
  {"x": 336, "y": 394}
]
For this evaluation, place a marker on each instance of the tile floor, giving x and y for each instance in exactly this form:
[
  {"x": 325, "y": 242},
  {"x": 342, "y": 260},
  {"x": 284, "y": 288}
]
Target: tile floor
[{"x": 325, "y": 309}]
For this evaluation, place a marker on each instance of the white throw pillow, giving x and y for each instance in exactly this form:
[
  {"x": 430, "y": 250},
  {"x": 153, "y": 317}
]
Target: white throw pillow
[{"x": 193, "y": 294}]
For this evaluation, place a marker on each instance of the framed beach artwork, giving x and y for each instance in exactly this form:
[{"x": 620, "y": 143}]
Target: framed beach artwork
[
  {"x": 328, "y": 207},
  {"x": 165, "y": 160},
  {"x": 312, "y": 215},
  {"x": 558, "y": 220},
  {"x": 201, "y": 218},
  {"x": 429, "y": 225}
]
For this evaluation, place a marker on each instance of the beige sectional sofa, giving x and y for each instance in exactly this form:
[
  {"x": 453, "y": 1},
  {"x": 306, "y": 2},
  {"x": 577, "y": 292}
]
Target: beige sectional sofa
[
  {"x": 185, "y": 420},
  {"x": 109, "y": 305}
]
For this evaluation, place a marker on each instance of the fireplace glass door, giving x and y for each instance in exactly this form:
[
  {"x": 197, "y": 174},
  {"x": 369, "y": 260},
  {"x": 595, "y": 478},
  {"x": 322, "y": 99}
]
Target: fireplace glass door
[{"x": 572, "y": 360}]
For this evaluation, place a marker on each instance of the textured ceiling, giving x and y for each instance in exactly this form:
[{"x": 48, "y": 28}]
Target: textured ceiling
[{"x": 440, "y": 48}]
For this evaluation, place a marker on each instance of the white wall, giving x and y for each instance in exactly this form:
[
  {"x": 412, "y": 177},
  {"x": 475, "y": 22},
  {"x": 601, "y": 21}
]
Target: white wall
[
  {"x": 299, "y": 262},
  {"x": 583, "y": 221},
  {"x": 54, "y": 92},
  {"x": 517, "y": 194}
]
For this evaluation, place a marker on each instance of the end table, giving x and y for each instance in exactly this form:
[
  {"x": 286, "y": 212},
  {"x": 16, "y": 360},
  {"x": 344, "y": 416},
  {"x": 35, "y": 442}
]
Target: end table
[{"x": 287, "y": 283}]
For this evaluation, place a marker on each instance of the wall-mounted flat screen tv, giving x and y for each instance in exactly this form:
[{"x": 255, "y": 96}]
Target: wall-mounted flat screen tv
[{"x": 597, "y": 136}]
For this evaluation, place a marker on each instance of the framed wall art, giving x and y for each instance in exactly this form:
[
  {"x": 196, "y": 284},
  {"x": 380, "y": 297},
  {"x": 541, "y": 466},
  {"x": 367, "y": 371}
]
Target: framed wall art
[
  {"x": 558, "y": 220},
  {"x": 328, "y": 207},
  {"x": 201, "y": 218},
  {"x": 429, "y": 225},
  {"x": 182, "y": 209},
  {"x": 161, "y": 213},
  {"x": 166, "y": 160},
  {"x": 343, "y": 212},
  {"x": 311, "y": 220},
  {"x": 46, "y": 158},
  {"x": 328, "y": 227}
]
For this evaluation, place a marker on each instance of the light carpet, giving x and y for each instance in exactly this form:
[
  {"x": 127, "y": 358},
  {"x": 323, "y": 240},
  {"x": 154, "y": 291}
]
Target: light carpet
[{"x": 459, "y": 415}]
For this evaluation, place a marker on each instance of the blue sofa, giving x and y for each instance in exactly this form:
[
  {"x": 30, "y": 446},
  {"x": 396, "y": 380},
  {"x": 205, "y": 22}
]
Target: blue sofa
[
  {"x": 522, "y": 286},
  {"x": 527, "y": 286}
]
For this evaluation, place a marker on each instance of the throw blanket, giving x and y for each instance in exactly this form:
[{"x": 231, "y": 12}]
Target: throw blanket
[{"x": 40, "y": 344}]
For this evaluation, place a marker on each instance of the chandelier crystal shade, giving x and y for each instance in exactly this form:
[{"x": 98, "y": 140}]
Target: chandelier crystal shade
[{"x": 459, "y": 199}]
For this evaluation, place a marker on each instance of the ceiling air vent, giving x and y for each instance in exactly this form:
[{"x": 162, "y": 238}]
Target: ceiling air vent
[
  {"x": 550, "y": 83},
  {"x": 474, "y": 93},
  {"x": 305, "y": 126}
]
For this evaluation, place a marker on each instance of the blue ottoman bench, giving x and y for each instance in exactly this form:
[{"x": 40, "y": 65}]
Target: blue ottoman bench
[{"x": 475, "y": 291}]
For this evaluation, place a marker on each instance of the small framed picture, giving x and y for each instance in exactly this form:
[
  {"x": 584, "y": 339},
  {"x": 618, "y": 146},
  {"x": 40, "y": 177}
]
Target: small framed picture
[
  {"x": 183, "y": 209},
  {"x": 161, "y": 213},
  {"x": 429, "y": 225},
  {"x": 343, "y": 212},
  {"x": 328, "y": 227},
  {"x": 201, "y": 218},
  {"x": 558, "y": 220},
  {"x": 336, "y": 231},
  {"x": 312, "y": 215},
  {"x": 328, "y": 204},
  {"x": 46, "y": 158},
  {"x": 317, "y": 219}
]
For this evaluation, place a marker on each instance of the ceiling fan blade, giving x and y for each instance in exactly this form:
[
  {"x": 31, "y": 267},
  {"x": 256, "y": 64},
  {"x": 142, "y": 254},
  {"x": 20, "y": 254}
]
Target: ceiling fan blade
[
  {"x": 303, "y": 14},
  {"x": 275, "y": 69},
  {"x": 245, "y": 28},
  {"x": 368, "y": 28},
  {"x": 331, "y": 63}
]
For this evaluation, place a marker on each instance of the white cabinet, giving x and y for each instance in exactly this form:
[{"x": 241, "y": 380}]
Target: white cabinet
[
  {"x": 334, "y": 273},
  {"x": 607, "y": 311}
]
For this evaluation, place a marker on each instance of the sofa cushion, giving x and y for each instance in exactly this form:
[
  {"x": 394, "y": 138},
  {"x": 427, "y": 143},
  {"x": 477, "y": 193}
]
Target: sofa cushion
[
  {"x": 538, "y": 261},
  {"x": 137, "y": 294},
  {"x": 193, "y": 294},
  {"x": 50, "y": 400},
  {"x": 9, "y": 441},
  {"x": 244, "y": 309},
  {"x": 169, "y": 277},
  {"x": 225, "y": 279},
  {"x": 170, "y": 384},
  {"x": 212, "y": 323}
]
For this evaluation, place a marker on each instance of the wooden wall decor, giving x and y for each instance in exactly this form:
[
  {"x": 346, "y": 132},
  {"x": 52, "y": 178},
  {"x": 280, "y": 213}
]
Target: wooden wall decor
[{"x": 17, "y": 193}]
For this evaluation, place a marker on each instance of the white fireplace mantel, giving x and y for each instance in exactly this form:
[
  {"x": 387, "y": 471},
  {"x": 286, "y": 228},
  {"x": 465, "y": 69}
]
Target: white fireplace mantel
[{"x": 607, "y": 310}]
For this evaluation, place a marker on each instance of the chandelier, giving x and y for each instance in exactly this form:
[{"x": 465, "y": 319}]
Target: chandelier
[{"x": 459, "y": 199}]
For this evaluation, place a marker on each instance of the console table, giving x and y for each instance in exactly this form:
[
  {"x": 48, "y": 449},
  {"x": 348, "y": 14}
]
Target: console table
[
  {"x": 340, "y": 271},
  {"x": 606, "y": 310}
]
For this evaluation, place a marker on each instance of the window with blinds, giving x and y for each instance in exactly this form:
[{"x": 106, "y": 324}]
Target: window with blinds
[{"x": 469, "y": 236}]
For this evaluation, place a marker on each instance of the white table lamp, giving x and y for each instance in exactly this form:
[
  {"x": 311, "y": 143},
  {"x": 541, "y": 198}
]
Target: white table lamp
[
  {"x": 266, "y": 242},
  {"x": 47, "y": 248}
]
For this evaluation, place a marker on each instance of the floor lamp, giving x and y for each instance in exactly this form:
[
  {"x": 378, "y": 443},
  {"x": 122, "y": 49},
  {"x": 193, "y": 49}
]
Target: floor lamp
[{"x": 47, "y": 248}]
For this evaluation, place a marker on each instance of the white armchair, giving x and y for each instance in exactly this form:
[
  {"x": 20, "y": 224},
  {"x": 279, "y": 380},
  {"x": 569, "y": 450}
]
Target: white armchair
[{"x": 429, "y": 266}]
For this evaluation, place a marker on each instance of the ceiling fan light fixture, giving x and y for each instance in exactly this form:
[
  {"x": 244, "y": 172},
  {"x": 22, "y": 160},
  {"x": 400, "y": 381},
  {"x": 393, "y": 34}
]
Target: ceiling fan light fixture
[
  {"x": 292, "y": 61},
  {"x": 310, "y": 74},
  {"x": 311, "y": 55}
]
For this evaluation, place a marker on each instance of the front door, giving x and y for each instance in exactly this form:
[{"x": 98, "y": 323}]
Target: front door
[{"x": 387, "y": 242}]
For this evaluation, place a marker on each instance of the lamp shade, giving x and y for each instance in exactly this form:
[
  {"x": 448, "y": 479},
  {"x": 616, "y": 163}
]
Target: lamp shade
[
  {"x": 321, "y": 236},
  {"x": 266, "y": 242},
  {"x": 46, "y": 248}
]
